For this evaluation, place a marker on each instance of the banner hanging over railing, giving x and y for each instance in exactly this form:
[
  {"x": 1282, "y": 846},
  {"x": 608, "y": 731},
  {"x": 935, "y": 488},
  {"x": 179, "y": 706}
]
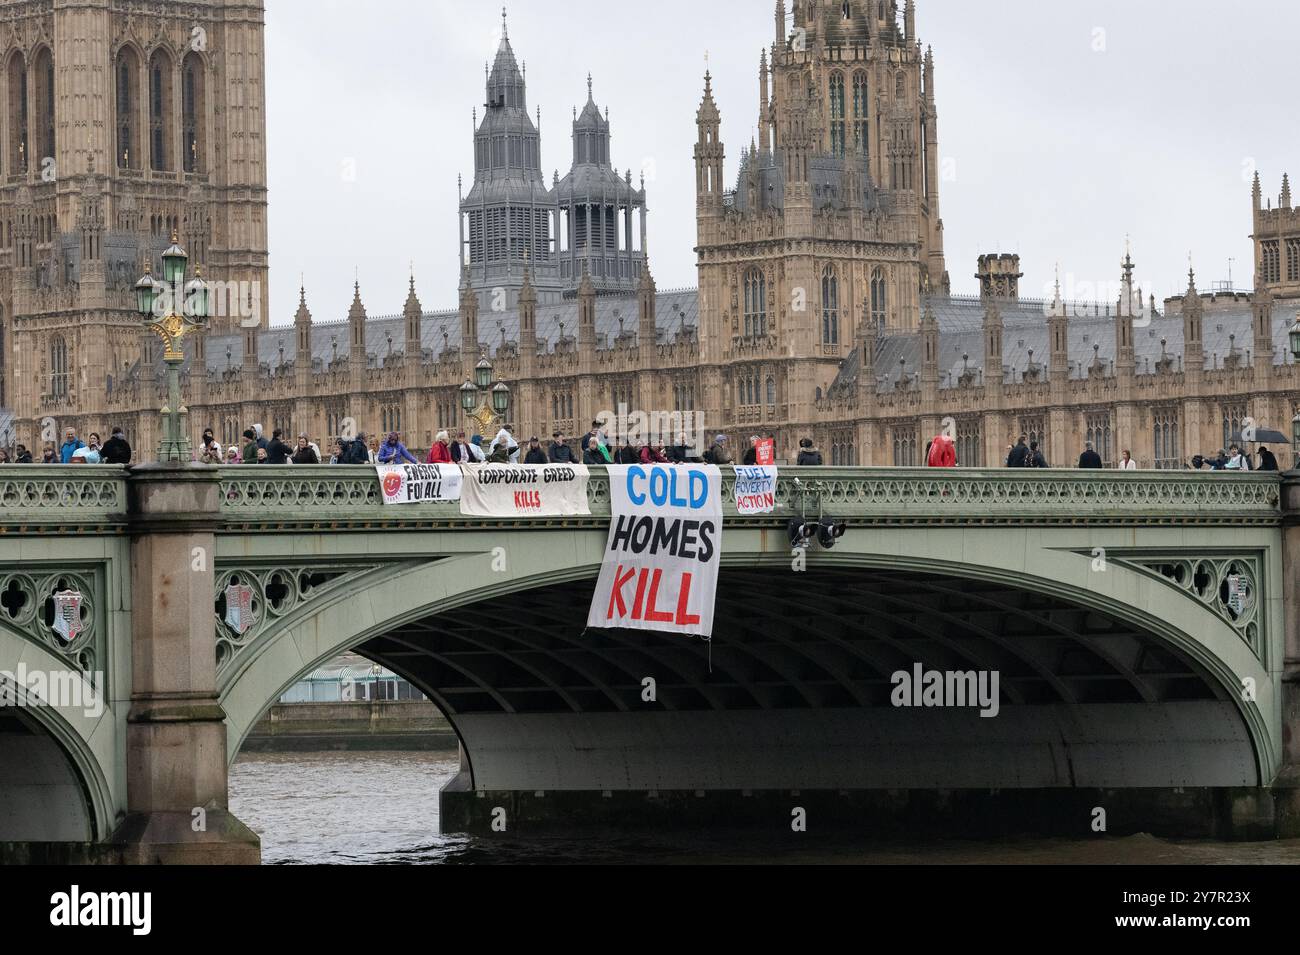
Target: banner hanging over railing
[
  {"x": 419, "y": 483},
  {"x": 660, "y": 570},
  {"x": 755, "y": 489},
  {"x": 525, "y": 490}
]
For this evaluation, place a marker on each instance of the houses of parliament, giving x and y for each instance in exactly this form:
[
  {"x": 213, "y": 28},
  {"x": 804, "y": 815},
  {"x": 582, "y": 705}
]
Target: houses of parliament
[{"x": 824, "y": 307}]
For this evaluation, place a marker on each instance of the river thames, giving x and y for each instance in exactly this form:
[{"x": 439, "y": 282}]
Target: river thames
[{"x": 382, "y": 807}]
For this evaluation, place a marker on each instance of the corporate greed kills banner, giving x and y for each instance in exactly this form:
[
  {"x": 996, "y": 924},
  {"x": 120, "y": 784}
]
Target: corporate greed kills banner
[
  {"x": 419, "y": 483},
  {"x": 523, "y": 490},
  {"x": 660, "y": 570}
]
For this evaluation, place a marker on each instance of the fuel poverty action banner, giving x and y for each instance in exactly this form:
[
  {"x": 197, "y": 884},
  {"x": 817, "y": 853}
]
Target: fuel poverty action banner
[{"x": 660, "y": 570}]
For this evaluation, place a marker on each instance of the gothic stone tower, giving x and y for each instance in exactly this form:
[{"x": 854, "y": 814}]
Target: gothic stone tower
[
  {"x": 833, "y": 227},
  {"x": 506, "y": 219},
  {"x": 1276, "y": 235},
  {"x": 121, "y": 123}
]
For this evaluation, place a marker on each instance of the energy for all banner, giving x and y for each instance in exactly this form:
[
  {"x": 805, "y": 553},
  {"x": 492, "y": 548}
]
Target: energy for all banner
[
  {"x": 419, "y": 483},
  {"x": 660, "y": 570}
]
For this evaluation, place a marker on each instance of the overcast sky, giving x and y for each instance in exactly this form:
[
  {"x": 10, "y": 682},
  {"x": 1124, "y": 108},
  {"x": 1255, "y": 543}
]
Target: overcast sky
[{"x": 1064, "y": 126}]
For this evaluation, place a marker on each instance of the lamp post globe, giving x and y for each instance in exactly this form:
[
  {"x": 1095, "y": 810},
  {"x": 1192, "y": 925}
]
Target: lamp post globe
[
  {"x": 1294, "y": 335},
  {"x": 501, "y": 397},
  {"x": 197, "y": 296},
  {"x": 146, "y": 294},
  {"x": 483, "y": 374},
  {"x": 174, "y": 262},
  {"x": 468, "y": 396}
]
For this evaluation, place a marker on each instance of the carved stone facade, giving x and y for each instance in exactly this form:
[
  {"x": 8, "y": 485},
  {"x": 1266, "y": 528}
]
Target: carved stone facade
[
  {"x": 824, "y": 307},
  {"x": 121, "y": 122}
]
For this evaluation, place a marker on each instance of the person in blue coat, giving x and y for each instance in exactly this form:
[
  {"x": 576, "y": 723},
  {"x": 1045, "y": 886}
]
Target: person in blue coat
[
  {"x": 392, "y": 451},
  {"x": 71, "y": 444}
]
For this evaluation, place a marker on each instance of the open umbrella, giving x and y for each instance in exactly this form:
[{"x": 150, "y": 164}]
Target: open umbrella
[{"x": 1262, "y": 436}]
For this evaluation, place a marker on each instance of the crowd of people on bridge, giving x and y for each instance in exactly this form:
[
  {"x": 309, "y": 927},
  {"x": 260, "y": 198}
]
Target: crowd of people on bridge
[
  {"x": 73, "y": 450},
  {"x": 594, "y": 447},
  {"x": 941, "y": 452}
]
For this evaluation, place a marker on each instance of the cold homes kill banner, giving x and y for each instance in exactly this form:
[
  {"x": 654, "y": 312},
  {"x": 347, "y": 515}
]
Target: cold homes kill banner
[{"x": 660, "y": 570}]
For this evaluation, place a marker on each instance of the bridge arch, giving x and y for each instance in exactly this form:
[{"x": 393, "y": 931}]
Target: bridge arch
[
  {"x": 53, "y": 783},
  {"x": 1170, "y": 663}
]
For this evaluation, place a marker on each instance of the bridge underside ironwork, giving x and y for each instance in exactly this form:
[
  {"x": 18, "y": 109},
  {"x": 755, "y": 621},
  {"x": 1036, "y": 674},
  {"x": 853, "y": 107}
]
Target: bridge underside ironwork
[{"x": 796, "y": 691}]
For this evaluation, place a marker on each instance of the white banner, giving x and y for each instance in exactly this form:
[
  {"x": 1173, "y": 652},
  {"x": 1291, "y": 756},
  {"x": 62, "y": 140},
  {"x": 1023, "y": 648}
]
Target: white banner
[
  {"x": 755, "y": 489},
  {"x": 419, "y": 483},
  {"x": 660, "y": 570},
  {"x": 525, "y": 490}
]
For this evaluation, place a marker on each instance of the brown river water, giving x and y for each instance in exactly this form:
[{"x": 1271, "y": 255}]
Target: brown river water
[{"x": 382, "y": 807}]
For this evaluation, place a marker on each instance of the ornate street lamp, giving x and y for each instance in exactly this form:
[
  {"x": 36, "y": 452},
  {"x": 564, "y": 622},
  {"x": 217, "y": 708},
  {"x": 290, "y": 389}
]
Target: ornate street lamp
[
  {"x": 153, "y": 297},
  {"x": 485, "y": 404},
  {"x": 1295, "y": 338}
]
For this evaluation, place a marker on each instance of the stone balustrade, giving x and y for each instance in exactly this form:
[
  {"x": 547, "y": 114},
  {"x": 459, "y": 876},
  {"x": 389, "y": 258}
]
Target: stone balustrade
[{"x": 69, "y": 499}]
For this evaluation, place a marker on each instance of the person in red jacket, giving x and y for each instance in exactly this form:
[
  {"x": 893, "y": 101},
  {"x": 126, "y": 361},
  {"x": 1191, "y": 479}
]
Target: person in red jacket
[
  {"x": 440, "y": 453},
  {"x": 651, "y": 455},
  {"x": 943, "y": 452}
]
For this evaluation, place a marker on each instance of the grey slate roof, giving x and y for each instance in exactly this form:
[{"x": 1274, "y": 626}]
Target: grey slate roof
[
  {"x": 673, "y": 311},
  {"x": 1091, "y": 335}
]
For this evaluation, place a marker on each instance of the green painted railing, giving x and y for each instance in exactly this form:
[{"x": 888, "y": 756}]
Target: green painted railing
[
  {"x": 62, "y": 499},
  {"x": 349, "y": 497},
  {"x": 88, "y": 499}
]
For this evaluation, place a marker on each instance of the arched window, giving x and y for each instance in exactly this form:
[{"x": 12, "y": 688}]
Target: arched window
[
  {"x": 43, "y": 75},
  {"x": 126, "y": 77},
  {"x": 878, "y": 301},
  {"x": 160, "y": 112},
  {"x": 755, "y": 304},
  {"x": 830, "y": 307},
  {"x": 900, "y": 85},
  {"x": 837, "y": 114},
  {"x": 860, "y": 123},
  {"x": 58, "y": 367},
  {"x": 771, "y": 390},
  {"x": 193, "y": 114},
  {"x": 18, "y": 145}
]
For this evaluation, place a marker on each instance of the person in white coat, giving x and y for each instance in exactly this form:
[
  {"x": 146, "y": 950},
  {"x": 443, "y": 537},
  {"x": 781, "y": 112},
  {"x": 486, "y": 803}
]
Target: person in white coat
[
  {"x": 1127, "y": 463},
  {"x": 504, "y": 437}
]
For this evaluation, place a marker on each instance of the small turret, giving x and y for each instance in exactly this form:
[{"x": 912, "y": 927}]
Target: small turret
[{"x": 412, "y": 312}]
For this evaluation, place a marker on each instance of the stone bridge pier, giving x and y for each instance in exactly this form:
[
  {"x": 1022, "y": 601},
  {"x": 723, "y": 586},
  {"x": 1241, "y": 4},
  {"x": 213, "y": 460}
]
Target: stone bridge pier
[{"x": 176, "y": 758}]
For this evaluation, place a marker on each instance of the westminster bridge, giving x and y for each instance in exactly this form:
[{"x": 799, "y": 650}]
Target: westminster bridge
[{"x": 1143, "y": 627}]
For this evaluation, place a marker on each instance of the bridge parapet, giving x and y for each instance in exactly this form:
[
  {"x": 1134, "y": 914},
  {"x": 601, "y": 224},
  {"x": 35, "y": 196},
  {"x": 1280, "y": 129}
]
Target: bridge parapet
[
  {"x": 62, "y": 499},
  {"x": 65, "y": 500},
  {"x": 330, "y": 497}
]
